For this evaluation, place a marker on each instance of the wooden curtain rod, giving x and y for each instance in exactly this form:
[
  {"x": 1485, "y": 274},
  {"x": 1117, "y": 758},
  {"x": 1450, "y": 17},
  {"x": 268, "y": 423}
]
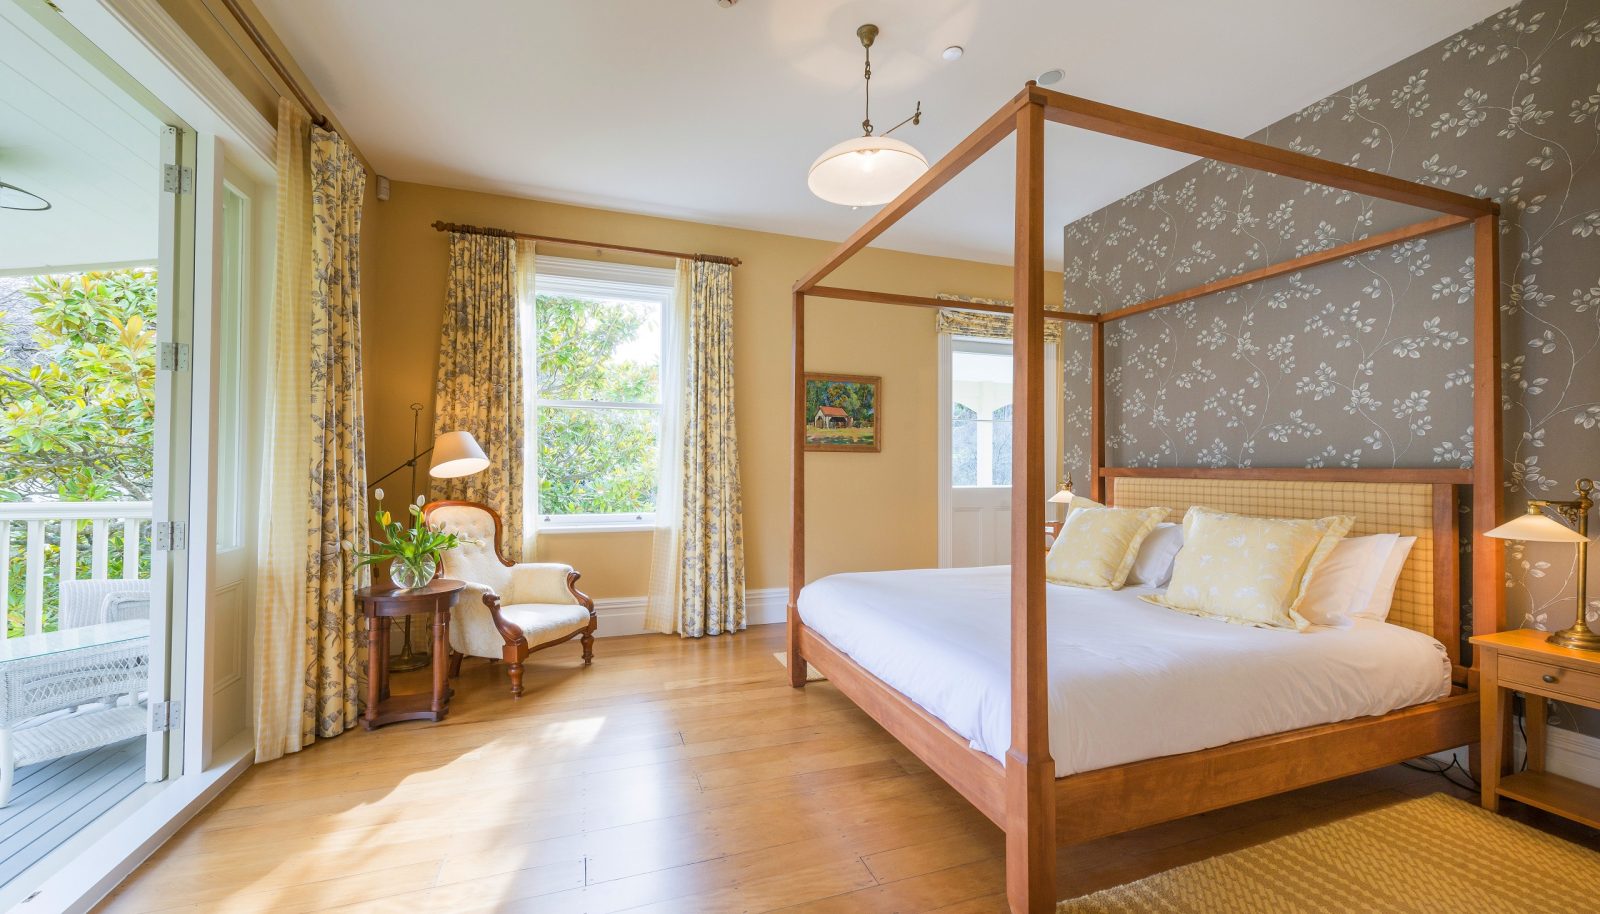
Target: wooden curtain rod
[
  {"x": 260, "y": 41},
  {"x": 573, "y": 242}
]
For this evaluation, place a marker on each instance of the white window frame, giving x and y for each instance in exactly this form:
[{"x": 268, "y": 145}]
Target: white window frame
[
  {"x": 1053, "y": 415},
  {"x": 586, "y": 278}
]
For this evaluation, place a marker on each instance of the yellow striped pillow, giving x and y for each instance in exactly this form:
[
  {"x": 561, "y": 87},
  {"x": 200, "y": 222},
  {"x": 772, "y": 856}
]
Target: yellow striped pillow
[
  {"x": 1249, "y": 570},
  {"x": 1097, "y": 546}
]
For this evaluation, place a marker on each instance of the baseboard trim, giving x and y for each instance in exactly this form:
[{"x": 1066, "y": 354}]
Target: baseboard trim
[
  {"x": 1567, "y": 752},
  {"x": 625, "y": 615}
]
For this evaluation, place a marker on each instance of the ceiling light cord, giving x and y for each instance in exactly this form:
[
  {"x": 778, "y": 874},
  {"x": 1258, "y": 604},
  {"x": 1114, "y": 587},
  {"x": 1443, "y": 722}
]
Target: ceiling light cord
[
  {"x": 866, "y": 120},
  {"x": 915, "y": 119}
]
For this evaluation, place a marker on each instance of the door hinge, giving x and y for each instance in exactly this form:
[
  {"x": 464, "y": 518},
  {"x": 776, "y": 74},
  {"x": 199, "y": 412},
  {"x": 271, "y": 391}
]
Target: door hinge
[
  {"x": 171, "y": 536},
  {"x": 177, "y": 179},
  {"x": 166, "y": 715},
  {"x": 173, "y": 357}
]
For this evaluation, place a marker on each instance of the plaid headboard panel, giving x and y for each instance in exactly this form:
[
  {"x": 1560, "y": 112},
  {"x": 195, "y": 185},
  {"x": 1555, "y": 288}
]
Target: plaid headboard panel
[{"x": 1406, "y": 508}]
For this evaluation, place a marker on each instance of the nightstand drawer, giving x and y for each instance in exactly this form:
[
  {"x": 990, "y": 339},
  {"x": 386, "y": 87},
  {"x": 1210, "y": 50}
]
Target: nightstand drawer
[{"x": 1546, "y": 677}]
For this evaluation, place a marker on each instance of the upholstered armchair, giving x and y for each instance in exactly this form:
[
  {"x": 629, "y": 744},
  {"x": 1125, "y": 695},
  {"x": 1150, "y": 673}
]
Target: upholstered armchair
[{"x": 508, "y": 610}]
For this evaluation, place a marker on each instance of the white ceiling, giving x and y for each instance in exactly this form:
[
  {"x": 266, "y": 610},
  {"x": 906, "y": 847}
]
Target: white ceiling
[
  {"x": 71, "y": 136},
  {"x": 690, "y": 110}
]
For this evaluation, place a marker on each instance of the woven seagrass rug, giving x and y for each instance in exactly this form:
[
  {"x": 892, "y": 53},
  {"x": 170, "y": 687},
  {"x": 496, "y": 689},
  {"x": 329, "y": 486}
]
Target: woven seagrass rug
[
  {"x": 1433, "y": 854},
  {"x": 812, "y": 673}
]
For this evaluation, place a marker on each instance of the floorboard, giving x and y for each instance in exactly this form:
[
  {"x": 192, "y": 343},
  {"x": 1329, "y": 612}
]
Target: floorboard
[
  {"x": 54, "y": 800},
  {"x": 671, "y": 776}
]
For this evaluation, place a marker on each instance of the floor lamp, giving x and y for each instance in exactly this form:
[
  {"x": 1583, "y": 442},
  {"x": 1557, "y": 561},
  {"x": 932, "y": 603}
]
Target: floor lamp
[{"x": 455, "y": 454}]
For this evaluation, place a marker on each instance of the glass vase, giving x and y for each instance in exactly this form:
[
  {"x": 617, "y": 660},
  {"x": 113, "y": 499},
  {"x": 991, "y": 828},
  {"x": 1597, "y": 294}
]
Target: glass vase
[{"x": 411, "y": 575}]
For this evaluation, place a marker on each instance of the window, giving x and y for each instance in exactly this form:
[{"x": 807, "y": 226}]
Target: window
[
  {"x": 231, "y": 405},
  {"x": 594, "y": 362},
  {"x": 980, "y": 413}
]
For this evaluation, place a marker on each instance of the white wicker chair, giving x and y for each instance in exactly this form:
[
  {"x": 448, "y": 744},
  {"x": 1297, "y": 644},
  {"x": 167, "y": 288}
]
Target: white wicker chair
[{"x": 97, "y": 600}]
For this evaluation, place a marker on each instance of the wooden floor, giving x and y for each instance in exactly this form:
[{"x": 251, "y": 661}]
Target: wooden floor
[
  {"x": 54, "y": 800},
  {"x": 672, "y": 776}
]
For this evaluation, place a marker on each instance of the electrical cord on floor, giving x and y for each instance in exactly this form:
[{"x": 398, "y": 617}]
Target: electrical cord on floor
[{"x": 1435, "y": 766}]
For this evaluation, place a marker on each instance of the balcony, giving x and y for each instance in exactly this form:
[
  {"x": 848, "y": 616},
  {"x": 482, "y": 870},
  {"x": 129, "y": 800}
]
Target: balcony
[
  {"x": 44, "y": 543},
  {"x": 72, "y": 680}
]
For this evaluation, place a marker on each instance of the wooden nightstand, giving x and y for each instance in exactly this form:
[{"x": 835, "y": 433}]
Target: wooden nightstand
[{"x": 1525, "y": 662}]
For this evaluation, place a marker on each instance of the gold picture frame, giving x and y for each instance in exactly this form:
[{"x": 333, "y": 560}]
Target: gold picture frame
[{"x": 844, "y": 412}]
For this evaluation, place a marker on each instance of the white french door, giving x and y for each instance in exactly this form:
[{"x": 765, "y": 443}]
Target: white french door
[{"x": 975, "y": 448}]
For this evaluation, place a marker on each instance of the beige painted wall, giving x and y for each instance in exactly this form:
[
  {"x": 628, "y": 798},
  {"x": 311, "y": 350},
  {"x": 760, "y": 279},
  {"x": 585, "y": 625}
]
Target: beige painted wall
[{"x": 864, "y": 511}]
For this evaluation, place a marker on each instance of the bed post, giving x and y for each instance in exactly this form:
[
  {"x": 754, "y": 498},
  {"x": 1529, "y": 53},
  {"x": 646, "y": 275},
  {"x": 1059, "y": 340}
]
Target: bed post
[
  {"x": 1029, "y": 770},
  {"x": 797, "y": 494},
  {"x": 1097, "y": 411},
  {"x": 1488, "y": 556}
]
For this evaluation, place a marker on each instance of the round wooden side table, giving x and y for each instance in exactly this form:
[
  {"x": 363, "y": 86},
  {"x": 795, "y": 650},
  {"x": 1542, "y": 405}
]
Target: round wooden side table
[{"x": 386, "y": 602}]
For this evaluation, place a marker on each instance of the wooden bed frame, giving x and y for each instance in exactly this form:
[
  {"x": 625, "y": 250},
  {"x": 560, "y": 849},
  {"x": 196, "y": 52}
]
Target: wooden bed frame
[{"x": 1023, "y": 796}]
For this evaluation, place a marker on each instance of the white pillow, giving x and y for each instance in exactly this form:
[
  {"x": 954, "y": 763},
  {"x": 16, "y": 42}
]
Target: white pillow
[
  {"x": 1154, "y": 564},
  {"x": 1343, "y": 584},
  {"x": 1378, "y": 603}
]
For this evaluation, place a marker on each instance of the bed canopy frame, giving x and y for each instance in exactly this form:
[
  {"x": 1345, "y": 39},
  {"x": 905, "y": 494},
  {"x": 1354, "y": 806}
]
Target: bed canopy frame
[{"x": 1023, "y": 796}]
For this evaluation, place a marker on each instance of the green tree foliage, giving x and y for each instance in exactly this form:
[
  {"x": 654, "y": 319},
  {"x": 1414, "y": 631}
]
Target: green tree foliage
[
  {"x": 595, "y": 461},
  {"x": 81, "y": 426},
  {"x": 78, "y": 423}
]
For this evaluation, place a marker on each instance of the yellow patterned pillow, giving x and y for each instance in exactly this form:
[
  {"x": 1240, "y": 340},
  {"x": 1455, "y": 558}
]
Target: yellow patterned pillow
[
  {"x": 1097, "y": 546},
  {"x": 1250, "y": 570}
]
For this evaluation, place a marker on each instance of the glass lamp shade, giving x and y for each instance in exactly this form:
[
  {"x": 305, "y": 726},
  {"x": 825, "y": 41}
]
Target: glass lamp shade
[
  {"x": 866, "y": 171},
  {"x": 456, "y": 454},
  {"x": 1536, "y": 527}
]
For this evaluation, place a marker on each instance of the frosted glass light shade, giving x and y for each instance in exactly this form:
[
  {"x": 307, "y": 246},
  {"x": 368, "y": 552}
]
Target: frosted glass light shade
[
  {"x": 1536, "y": 528},
  {"x": 866, "y": 171},
  {"x": 457, "y": 454},
  {"x": 1063, "y": 497}
]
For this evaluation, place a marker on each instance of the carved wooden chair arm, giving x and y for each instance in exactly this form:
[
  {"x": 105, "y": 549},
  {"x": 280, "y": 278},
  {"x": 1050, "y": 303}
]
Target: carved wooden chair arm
[
  {"x": 578, "y": 596},
  {"x": 508, "y": 630}
]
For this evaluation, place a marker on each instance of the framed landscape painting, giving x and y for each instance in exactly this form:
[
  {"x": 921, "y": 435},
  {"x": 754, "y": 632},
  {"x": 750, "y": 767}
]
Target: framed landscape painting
[{"x": 843, "y": 412}]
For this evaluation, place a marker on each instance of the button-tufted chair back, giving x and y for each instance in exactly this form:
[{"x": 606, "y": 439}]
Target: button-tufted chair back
[{"x": 477, "y": 559}]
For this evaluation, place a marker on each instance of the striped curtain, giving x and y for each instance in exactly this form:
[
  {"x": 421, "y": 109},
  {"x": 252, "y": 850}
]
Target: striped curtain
[
  {"x": 308, "y": 669},
  {"x": 479, "y": 385}
]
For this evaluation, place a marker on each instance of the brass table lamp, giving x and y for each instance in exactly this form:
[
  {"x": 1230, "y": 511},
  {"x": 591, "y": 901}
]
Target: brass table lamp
[{"x": 1538, "y": 527}]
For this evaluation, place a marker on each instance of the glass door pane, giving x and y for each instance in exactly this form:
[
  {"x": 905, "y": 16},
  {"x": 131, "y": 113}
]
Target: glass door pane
[
  {"x": 980, "y": 418},
  {"x": 92, "y": 283}
]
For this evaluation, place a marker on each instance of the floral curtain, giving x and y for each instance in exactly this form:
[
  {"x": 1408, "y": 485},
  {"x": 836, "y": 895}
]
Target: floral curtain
[
  {"x": 309, "y": 671},
  {"x": 711, "y": 530},
  {"x": 479, "y": 385},
  {"x": 983, "y": 324}
]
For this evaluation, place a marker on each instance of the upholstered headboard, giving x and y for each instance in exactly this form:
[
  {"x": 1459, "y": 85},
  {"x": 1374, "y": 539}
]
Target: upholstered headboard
[{"x": 1427, "y": 597}]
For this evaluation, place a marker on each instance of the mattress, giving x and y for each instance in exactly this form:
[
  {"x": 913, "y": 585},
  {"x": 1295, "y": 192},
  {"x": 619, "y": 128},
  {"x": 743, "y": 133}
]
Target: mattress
[{"x": 1127, "y": 680}]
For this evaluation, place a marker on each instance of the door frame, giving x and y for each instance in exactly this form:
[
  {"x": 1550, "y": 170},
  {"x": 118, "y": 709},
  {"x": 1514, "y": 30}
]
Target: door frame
[
  {"x": 143, "y": 41},
  {"x": 948, "y": 344}
]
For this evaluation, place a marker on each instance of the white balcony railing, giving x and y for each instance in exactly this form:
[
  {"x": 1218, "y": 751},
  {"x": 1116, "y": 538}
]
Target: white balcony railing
[{"x": 61, "y": 524}]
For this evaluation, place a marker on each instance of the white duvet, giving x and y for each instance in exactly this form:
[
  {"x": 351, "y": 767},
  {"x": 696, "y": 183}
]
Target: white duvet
[{"x": 1128, "y": 680}]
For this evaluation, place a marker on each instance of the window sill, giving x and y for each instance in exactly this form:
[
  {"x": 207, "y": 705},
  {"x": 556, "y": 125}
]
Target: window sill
[{"x": 595, "y": 528}]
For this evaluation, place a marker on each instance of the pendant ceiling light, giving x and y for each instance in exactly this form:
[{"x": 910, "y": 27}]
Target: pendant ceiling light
[
  {"x": 14, "y": 197},
  {"x": 868, "y": 170}
]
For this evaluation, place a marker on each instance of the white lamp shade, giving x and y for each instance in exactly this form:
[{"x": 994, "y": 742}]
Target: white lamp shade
[
  {"x": 456, "y": 454},
  {"x": 866, "y": 171},
  {"x": 1536, "y": 528},
  {"x": 1063, "y": 497}
]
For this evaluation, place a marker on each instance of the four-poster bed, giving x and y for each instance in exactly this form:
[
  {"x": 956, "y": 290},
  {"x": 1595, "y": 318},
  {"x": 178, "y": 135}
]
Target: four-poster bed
[{"x": 1024, "y": 795}]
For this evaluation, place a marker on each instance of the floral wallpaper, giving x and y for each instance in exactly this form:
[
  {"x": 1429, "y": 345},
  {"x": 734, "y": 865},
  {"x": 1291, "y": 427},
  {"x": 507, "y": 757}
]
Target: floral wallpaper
[{"x": 1367, "y": 362}]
